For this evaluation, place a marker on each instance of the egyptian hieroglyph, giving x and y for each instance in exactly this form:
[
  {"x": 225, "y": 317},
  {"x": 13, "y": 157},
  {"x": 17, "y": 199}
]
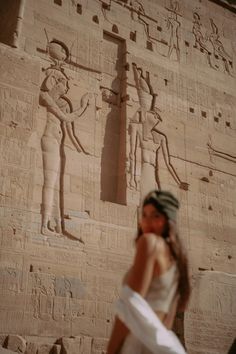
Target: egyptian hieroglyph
[{"x": 102, "y": 101}]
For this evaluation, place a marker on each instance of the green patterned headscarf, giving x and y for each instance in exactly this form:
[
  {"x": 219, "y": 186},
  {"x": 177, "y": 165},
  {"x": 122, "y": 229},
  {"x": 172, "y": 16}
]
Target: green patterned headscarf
[{"x": 164, "y": 201}]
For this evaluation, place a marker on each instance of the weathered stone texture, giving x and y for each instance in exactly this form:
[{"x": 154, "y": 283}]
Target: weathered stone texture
[
  {"x": 100, "y": 101},
  {"x": 16, "y": 343},
  {"x": 211, "y": 316},
  {"x": 6, "y": 351}
]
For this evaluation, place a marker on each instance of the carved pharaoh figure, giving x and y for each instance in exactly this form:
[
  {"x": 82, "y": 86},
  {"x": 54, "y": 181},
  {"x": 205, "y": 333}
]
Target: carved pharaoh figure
[
  {"x": 59, "y": 121},
  {"x": 218, "y": 47},
  {"x": 201, "y": 41},
  {"x": 143, "y": 130},
  {"x": 209, "y": 43},
  {"x": 173, "y": 26},
  {"x": 137, "y": 14}
]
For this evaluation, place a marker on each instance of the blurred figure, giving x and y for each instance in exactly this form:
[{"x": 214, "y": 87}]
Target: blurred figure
[{"x": 156, "y": 286}]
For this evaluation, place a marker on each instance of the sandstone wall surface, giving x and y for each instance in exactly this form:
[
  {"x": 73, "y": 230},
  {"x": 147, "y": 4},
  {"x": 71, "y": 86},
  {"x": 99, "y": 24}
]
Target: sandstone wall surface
[{"x": 101, "y": 101}]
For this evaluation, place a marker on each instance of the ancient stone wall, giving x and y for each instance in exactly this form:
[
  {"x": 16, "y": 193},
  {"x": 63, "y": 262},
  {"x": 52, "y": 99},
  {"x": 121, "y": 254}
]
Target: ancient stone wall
[{"x": 101, "y": 101}]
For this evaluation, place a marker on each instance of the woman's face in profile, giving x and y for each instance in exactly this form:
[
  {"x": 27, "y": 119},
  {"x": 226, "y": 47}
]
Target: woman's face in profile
[
  {"x": 62, "y": 86},
  {"x": 152, "y": 221}
]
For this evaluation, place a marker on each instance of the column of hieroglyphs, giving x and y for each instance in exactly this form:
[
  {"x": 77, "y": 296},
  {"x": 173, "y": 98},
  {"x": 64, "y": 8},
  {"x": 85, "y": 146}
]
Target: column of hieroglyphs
[{"x": 101, "y": 101}]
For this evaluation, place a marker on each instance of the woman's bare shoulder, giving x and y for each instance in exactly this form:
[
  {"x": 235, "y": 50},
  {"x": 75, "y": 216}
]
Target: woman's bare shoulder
[{"x": 151, "y": 242}]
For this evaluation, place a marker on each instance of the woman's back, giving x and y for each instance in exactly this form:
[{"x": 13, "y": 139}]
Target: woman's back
[
  {"x": 162, "y": 289},
  {"x": 162, "y": 294}
]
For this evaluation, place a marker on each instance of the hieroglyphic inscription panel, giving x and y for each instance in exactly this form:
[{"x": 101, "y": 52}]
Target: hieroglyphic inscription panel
[{"x": 210, "y": 319}]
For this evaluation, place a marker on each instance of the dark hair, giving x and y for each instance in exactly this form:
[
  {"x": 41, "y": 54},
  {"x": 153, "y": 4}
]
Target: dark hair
[{"x": 171, "y": 237}]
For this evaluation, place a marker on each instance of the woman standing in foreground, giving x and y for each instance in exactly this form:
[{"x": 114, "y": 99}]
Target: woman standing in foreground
[{"x": 156, "y": 286}]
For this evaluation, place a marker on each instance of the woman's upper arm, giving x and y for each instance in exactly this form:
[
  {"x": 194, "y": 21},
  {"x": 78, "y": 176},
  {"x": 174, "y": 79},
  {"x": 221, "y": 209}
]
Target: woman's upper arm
[{"x": 142, "y": 270}]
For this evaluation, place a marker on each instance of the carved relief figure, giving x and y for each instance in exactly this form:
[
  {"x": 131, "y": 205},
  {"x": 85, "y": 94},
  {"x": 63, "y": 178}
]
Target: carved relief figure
[
  {"x": 209, "y": 43},
  {"x": 43, "y": 292},
  {"x": 218, "y": 47},
  {"x": 200, "y": 39},
  {"x": 52, "y": 296},
  {"x": 143, "y": 131},
  {"x": 59, "y": 121},
  {"x": 68, "y": 291},
  {"x": 137, "y": 13},
  {"x": 10, "y": 279},
  {"x": 62, "y": 302},
  {"x": 149, "y": 22},
  {"x": 173, "y": 26}
]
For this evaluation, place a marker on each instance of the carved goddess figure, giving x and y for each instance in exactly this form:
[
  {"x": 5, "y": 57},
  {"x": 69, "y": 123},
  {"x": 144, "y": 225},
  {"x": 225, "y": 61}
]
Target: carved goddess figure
[
  {"x": 143, "y": 131},
  {"x": 59, "y": 121}
]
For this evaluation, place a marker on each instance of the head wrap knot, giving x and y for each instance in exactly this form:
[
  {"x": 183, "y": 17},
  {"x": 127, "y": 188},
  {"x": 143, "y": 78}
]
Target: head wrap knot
[{"x": 164, "y": 201}]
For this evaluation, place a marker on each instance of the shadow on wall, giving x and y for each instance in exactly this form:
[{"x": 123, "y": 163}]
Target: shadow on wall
[
  {"x": 112, "y": 113},
  {"x": 8, "y": 20},
  {"x": 232, "y": 349},
  {"x": 109, "y": 161}
]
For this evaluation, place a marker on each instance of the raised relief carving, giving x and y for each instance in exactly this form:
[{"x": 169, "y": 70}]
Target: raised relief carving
[
  {"x": 62, "y": 306},
  {"x": 106, "y": 6},
  {"x": 173, "y": 25},
  {"x": 138, "y": 14},
  {"x": 52, "y": 296},
  {"x": 201, "y": 40},
  {"x": 151, "y": 27},
  {"x": 109, "y": 96},
  {"x": 136, "y": 9},
  {"x": 210, "y": 44},
  {"x": 218, "y": 48},
  {"x": 67, "y": 289},
  {"x": 150, "y": 24},
  {"x": 143, "y": 131},
  {"x": 60, "y": 120},
  {"x": 10, "y": 279},
  {"x": 17, "y": 113},
  {"x": 43, "y": 291}
]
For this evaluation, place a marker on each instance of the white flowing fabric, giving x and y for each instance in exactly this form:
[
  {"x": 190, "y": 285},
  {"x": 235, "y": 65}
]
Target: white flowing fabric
[{"x": 146, "y": 328}]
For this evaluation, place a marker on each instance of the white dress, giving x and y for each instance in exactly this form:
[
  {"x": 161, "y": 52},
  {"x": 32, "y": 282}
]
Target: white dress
[{"x": 148, "y": 335}]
